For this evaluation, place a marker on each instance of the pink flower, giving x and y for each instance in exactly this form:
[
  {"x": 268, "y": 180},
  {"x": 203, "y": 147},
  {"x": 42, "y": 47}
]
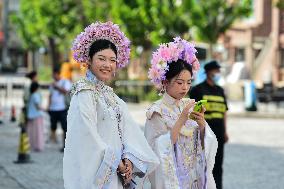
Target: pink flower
[
  {"x": 99, "y": 30},
  {"x": 168, "y": 53},
  {"x": 154, "y": 73},
  {"x": 165, "y": 53}
]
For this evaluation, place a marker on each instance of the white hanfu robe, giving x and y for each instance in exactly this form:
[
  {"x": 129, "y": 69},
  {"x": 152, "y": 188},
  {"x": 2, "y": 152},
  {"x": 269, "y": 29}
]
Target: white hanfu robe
[
  {"x": 183, "y": 165},
  {"x": 98, "y": 124}
]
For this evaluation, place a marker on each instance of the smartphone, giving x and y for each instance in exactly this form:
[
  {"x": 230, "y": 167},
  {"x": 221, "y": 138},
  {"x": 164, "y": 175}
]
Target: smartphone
[{"x": 198, "y": 107}]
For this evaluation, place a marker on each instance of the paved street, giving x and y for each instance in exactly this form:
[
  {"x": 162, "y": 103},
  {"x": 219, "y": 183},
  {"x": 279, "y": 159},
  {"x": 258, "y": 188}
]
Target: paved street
[{"x": 254, "y": 156}]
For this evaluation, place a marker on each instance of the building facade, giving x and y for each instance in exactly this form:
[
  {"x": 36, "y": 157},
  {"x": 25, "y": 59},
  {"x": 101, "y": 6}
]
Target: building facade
[
  {"x": 259, "y": 42},
  {"x": 13, "y": 58}
]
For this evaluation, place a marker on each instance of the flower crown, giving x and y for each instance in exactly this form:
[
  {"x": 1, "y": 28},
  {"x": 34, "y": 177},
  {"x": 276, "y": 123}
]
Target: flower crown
[
  {"x": 97, "y": 31},
  {"x": 168, "y": 53}
]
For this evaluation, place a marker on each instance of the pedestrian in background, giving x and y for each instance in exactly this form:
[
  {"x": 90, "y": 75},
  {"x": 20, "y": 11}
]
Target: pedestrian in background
[
  {"x": 57, "y": 106},
  {"x": 35, "y": 128},
  {"x": 215, "y": 114},
  {"x": 32, "y": 76}
]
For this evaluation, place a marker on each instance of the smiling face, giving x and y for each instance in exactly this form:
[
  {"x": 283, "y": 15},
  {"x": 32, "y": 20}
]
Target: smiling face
[
  {"x": 103, "y": 64},
  {"x": 179, "y": 86}
]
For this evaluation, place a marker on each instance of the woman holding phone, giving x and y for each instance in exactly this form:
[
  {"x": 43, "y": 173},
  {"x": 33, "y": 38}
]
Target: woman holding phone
[{"x": 181, "y": 138}]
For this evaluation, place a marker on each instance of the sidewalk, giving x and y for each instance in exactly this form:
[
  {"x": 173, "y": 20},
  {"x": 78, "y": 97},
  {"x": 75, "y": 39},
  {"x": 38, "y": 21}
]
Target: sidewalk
[
  {"x": 44, "y": 172},
  {"x": 270, "y": 110},
  {"x": 254, "y": 153}
]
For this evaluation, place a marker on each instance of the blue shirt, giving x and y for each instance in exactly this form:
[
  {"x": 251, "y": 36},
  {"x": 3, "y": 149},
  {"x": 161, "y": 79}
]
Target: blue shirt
[{"x": 34, "y": 102}]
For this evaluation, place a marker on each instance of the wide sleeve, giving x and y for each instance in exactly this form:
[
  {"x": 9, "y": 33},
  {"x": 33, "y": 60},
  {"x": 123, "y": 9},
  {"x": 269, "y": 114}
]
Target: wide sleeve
[
  {"x": 210, "y": 145},
  {"x": 88, "y": 162},
  {"x": 160, "y": 140},
  {"x": 136, "y": 147}
]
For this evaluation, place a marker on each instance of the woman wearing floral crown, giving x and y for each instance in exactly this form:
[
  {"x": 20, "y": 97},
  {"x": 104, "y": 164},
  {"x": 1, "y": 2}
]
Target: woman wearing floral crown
[
  {"x": 180, "y": 137},
  {"x": 104, "y": 146}
]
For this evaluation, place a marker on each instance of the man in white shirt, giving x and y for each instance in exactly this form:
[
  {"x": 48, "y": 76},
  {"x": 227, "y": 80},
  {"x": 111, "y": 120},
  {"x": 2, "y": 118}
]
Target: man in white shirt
[{"x": 57, "y": 104}]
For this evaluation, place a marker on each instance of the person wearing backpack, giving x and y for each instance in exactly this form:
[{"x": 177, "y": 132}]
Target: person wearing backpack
[{"x": 58, "y": 105}]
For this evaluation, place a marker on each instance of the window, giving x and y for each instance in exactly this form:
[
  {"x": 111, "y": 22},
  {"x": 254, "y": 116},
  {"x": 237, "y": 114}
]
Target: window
[
  {"x": 239, "y": 54},
  {"x": 282, "y": 58}
]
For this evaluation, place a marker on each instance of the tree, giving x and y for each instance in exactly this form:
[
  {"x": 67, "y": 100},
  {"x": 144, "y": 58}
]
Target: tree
[
  {"x": 210, "y": 19},
  {"x": 149, "y": 23},
  {"x": 55, "y": 23},
  {"x": 280, "y": 4}
]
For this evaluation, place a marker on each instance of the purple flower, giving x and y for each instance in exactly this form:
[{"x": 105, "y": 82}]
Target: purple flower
[
  {"x": 99, "y": 30},
  {"x": 168, "y": 53}
]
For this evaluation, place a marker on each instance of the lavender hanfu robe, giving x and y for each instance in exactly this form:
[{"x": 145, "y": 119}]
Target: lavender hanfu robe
[{"x": 184, "y": 165}]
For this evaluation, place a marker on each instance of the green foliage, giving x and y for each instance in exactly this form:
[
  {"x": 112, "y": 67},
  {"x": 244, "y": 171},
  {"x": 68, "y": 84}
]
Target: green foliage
[
  {"x": 148, "y": 23},
  {"x": 152, "y": 96},
  {"x": 37, "y": 21},
  {"x": 211, "y": 18},
  {"x": 280, "y": 4},
  {"x": 54, "y": 24},
  {"x": 28, "y": 32},
  {"x": 45, "y": 74}
]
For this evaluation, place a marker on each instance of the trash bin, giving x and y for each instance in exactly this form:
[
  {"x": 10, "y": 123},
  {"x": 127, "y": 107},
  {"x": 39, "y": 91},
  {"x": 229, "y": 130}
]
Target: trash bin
[{"x": 250, "y": 96}]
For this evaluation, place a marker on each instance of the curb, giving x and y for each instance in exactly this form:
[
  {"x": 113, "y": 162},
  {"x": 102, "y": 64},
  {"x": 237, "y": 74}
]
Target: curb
[{"x": 261, "y": 115}]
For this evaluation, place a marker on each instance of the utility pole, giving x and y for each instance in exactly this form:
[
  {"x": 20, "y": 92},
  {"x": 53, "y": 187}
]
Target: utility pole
[{"x": 5, "y": 58}]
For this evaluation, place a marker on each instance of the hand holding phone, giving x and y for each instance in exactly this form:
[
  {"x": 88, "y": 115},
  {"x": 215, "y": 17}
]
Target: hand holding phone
[{"x": 198, "y": 107}]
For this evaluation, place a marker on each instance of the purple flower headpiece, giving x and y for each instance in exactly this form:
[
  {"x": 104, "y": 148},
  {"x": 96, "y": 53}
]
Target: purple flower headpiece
[
  {"x": 99, "y": 30},
  {"x": 168, "y": 53}
]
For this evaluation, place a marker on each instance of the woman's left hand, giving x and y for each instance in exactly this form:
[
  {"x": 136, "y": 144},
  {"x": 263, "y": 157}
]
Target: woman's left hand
[
  {"x": 199, "y": 118},
  {"x": 125, "y": 168},
  {"x": 128, "y": 174}
]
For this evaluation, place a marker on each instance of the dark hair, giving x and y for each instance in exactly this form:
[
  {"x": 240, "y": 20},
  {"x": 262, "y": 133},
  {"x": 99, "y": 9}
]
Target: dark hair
[
  {"x": 176, "y": 67},
  {"x": 31, "y": 75},
  {"x": 34, "y": 87},
  {"x": 56, "y": 70},
  {"x": 211, "y": 65},
  {"x": 101, "y": 44}
]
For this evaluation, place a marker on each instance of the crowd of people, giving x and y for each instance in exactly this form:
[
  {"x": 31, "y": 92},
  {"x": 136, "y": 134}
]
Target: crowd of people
[{"x": 57, "y": 109}]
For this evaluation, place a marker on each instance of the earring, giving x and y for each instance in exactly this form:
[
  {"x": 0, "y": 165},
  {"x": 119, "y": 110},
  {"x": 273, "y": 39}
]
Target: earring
[
  {"x": 87, "y": 65},
  {"x": 162, "y": 91},
  {"x": 113, "y": 74}
]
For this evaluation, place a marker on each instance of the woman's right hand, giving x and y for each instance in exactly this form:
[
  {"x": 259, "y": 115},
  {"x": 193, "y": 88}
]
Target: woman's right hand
[
  {"x": 181, "y": 121},
  {"x": 185, "y": 112}
]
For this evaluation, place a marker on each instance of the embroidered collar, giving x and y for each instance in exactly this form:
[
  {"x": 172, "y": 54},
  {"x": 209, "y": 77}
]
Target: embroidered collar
[
  {"x": 170, "y": 100},
  {"x": 93, "y": 79}
]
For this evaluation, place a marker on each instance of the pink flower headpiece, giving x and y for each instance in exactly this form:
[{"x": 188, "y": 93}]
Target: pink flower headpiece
[
  {"x": 97, "y": 31},
  {"x": 168, "y": 53}
]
